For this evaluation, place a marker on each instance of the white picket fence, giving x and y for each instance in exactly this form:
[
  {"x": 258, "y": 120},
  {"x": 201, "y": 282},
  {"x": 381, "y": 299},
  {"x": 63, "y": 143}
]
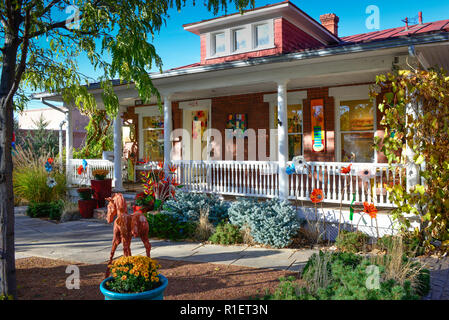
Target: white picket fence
[
  {"x": 73, "y": 178},
  {"x": 261, "y": 179}
]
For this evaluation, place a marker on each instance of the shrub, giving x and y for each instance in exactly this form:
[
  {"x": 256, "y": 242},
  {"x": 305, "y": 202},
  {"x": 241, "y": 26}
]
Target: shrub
[
  {"x": 348, "y": 241},
  {"x": 226, "y": 233},
  {"x": 186, "y": 206},
  {"x": 204, "y": 229},
  {"x": 30, "y": 179},
  {"x": 343, "y": 276},
  {"x": 272, "y": 222},
  {"x": 168, "y": 227},
  {"x": 52, "y": 210}
]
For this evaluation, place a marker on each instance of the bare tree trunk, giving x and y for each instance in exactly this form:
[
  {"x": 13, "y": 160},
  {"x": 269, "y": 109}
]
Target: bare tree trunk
[{"x": 7, "y": 255}]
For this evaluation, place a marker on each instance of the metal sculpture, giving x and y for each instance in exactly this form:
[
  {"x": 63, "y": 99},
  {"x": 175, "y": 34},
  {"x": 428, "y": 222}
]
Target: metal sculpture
[{"x": 126, "y": 226}]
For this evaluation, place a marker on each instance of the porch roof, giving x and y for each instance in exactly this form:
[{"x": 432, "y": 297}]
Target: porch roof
[{"x": 431, "y": 42}]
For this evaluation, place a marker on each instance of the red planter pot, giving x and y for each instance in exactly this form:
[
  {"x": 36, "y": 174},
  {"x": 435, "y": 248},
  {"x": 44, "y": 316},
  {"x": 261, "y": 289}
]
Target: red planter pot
[
  {"x": 141, "y": 209},
  {"x": 86, "y": 208},
  {"x": 101, "y": 189}
]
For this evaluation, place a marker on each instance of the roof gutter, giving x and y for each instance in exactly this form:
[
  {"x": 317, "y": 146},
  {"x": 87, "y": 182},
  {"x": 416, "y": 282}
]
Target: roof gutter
[{"x": 53, "y": 106}]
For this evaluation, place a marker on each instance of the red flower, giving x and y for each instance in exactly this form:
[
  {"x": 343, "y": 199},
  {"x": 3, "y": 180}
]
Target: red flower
[
  {"x": 172, "y": 168},
  {"x": 50, "y": 160},
  {"x": 370, "y": 209},
  {"x": 346, "y": 170},
  {"x": 317, "y": 196},
  {"x": 80, "y": 169},
  {"x": 160, "y": 164}
]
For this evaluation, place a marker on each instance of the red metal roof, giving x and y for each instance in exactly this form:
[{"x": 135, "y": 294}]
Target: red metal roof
[{"x": 429, "y": 27}]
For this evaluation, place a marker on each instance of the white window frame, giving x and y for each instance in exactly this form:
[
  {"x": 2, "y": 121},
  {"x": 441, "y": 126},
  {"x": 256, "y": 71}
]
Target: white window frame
[
  {"x": 213, "y": 44},
  {"x": 349, "y": 93},
  {"x": 229, "y": 39},
  {"x": 270, "y": 36},
  {"x": 247, "y": 36}
]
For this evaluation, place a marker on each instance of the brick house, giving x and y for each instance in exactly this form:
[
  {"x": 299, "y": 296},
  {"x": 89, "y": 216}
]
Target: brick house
[{"x": 302, "y": 89}]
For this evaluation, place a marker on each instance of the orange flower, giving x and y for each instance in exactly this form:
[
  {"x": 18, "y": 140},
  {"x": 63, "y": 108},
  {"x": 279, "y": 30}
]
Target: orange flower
[
  {"x": 172, "y": 168},
  {"x": 370, "y": 209},
  {"x": 160, "y": 164},
  {"x": 317, "y": 196},
  {"x": 80, "y": 169},
  {"x": 346, "y": 170}
]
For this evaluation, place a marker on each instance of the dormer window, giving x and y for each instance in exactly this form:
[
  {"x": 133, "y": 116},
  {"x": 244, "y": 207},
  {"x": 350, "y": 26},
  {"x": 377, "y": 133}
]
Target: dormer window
[
  {"x": 218, "y": 43},
  {"x": 261, "y": 35},
  {"x": 239, "y": 39}
]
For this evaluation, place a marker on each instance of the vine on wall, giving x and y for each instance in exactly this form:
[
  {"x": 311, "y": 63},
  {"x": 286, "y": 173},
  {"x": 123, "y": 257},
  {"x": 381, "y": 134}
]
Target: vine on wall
[{"x": 427, "y": 133}]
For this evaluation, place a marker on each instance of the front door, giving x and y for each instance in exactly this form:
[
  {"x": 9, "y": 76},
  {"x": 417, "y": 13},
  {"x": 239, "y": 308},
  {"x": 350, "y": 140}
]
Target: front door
[{"x": 196, "y": 122}]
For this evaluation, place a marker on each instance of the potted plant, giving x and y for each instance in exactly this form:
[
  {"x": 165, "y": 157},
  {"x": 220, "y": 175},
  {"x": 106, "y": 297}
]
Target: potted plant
[
  {"x": 86, "y": 204},
  {"x": 102, "y": 187},
  {"x": 134, "y": 278},
  {"x": 143, "y": 203}
]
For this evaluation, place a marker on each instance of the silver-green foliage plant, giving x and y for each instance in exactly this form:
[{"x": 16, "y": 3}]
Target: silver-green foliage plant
[
  {"x": 186, "y": 206},
  {"x": 272, "y": 222}
]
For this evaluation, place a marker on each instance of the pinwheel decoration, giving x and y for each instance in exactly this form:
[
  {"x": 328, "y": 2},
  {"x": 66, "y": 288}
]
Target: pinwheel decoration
[{"x": 49, "y": 165}]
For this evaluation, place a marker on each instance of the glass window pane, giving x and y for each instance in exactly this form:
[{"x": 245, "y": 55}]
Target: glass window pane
[
  {"x": 219, "y": 43},
  {"x": 294, "y": 145},
  {"x": 262, "y": 35},
  {"x": 239, "y": 39},
  {"x": 294, "y": 116},
  {"x": 359, "y": 144},
  {"x": 153, "y": 138},
  {"x": 356, "y": 115}
]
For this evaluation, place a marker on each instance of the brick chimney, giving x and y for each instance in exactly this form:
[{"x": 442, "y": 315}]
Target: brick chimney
[{"x": 330, "y": 22}]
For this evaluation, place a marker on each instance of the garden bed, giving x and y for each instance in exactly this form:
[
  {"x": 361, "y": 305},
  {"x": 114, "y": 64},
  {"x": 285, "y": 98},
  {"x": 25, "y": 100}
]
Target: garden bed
[{"x": 44, "y": 279}]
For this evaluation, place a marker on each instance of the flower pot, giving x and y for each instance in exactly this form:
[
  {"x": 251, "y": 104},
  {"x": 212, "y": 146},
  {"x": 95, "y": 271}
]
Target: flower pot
[
  {"x": 101, "y": 189},
  {"x": 155, "y": 294},
  {"x": 86, "y": 208},
  {"x": 141, "y": 209}
]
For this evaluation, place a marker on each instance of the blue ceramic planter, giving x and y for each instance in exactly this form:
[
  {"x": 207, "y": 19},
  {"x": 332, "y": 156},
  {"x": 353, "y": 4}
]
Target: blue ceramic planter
[{"x": 155, "y": 294}]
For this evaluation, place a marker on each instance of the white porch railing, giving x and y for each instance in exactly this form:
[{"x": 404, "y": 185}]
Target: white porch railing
[
  {"x": 261, "y": 179},
  {"x": 338, "y": 187},
  {"x": 92, "y": 164},
  {"x": 240, "y": 178}
]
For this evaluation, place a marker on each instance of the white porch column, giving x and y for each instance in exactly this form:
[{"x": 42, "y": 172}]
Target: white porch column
[
  {"x": 412, "y": 169},
  {"x": 167, "y": 130},
  {"x": 282, "y": 139},
  {"x": 118, "y": 152},
  {"x": 68, "y": 138}
]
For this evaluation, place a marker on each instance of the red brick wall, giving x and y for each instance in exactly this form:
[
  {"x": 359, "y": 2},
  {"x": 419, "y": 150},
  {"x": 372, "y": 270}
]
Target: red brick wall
[{"x": 250, "y": 104}]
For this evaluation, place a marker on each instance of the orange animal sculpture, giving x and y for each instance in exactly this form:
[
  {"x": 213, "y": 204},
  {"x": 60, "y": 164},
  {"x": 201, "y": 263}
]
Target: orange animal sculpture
[{"x": 126, "y": 226}]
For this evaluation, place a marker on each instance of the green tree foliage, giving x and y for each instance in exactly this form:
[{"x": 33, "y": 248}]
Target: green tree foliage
[
  {"x": 427, "y": 133},
  {"x": 39, "y": 49},
  {"x": 41, "y": 141},
  {"x": 99, "y": 137}
]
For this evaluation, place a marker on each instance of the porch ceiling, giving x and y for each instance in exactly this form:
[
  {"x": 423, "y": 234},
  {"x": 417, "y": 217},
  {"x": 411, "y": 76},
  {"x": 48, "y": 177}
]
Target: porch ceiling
[{"x": 435, "y": 55}]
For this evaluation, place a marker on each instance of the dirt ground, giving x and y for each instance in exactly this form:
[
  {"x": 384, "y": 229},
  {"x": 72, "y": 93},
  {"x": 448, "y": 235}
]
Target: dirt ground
[{"x": 45, "y": 279}]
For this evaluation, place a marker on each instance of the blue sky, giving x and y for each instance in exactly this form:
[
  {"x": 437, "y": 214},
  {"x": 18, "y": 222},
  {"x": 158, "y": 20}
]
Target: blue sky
[{"x": 178, "y": 47}]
